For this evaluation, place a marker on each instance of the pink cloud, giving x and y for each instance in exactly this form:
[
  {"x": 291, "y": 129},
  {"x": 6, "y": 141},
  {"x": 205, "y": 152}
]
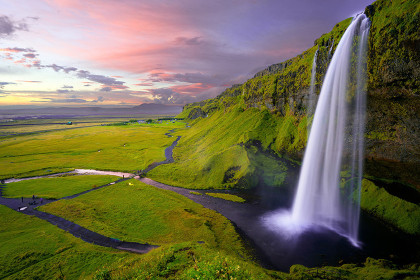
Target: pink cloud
[
  {"x": 192, "y": 89},
  {"x": 144, "y": 84}
]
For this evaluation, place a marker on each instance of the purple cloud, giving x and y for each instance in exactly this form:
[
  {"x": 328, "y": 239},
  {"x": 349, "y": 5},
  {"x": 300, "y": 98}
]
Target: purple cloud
[
  {"x": 2, "y": 84},
  {"x": 63, "y": 100},
  {"x": 30, "y": 55},
  {"x": 63, "y": 90},
  {"x": 188, "y": 41},
  {"x": 169, "y": 96},
  {"x": 106, "y": 89},
  {"x": 58, "y": 68},
  {"x": 108, "y": 81},
  {"x": 9, "y": 26}
]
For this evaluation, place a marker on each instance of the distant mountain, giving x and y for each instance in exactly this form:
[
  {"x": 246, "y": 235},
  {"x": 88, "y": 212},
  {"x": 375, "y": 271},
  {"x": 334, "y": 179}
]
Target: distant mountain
[
  {"x": 146, "y": 108},
  {"x": 153, "y": 108}
]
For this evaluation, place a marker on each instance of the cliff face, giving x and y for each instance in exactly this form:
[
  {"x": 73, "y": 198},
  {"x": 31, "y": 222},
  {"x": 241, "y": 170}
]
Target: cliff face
[
  {"x": 393, "y": 116},
  {"x": 393, "y": 111}
]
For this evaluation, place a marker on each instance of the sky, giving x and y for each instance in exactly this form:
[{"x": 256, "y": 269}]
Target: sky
[{"x": 129, "y": 52}]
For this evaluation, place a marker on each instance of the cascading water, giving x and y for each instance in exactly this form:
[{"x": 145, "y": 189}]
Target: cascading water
[
  {"x": 311, "y": 103},
  {"x": 320, "y": 199},
  {"x": 330, "y": 50}
]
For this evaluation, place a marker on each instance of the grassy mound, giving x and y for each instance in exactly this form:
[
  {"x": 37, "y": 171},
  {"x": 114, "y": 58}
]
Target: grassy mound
[
  {"x": 198, "y": 261},
  {"x": 31, "y": 248},
  {"x": 187, "y": 261},
  {"x": 56, "y": 187},
  {"x": 227, "y": 196},
  {"x": 142, "y": 213}
]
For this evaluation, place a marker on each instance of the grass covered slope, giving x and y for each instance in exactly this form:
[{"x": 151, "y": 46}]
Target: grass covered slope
[
  {"x": 394, "y": 210},
  {"x": 119, "y": 148},
  {"x": 227, "y": 196},
  {"x": 56, "y": 187},
  {"x": 34, "y": 249},
  {"x": 198, "y": 261},
  {"x": 218, "y": 151},
  {"x": 134, "y": 211},
  {"x": 188, "y": 261}
]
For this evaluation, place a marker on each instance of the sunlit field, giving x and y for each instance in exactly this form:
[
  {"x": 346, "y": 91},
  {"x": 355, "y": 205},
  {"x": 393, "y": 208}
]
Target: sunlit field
[
  {"x": 128, "y": 147},
  {"x": 56, "y": 187}
]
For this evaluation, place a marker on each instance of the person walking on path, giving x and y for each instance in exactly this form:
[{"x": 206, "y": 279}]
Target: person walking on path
[
  {"x": 33, "y": 197},
  {"x": 22, "y": 199},
  {"x": 41, "y": 200}
]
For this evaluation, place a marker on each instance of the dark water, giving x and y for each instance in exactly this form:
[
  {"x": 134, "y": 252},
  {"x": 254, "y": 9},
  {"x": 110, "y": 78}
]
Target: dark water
[{"x": 321, "y": 246}]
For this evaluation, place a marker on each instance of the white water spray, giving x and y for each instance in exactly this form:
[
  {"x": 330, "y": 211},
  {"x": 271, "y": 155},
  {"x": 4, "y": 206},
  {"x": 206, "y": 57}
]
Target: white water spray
[{"x": 320, "y": 200}]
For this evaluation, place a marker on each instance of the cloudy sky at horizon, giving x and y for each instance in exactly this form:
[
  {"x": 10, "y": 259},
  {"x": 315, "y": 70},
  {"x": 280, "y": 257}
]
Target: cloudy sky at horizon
[{"x": 128, "y": 52}]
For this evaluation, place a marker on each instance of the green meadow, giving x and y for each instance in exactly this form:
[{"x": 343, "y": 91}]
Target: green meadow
[
  {"x": 134, "y": 211},
  {"x": 56, "y": 187},
  {"x": 227, "y": 196},
  {"x": 31, "y": 248},
  {"x": 127, "y": 148},
  {"x": 34, "y": 126}
]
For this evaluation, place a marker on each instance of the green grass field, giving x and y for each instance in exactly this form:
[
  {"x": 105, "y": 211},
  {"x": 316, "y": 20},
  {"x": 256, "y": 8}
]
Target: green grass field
[
  {"x": 227, "y": 196},
  {"x": 217, "y": 152},
  {"x": 142, "y": 213},
  {"x": 20, "y": 127},
  {"x": 56, "y": 187},
  {"x": 118, "y": 148},
  {"x": 31, "y": 248}
]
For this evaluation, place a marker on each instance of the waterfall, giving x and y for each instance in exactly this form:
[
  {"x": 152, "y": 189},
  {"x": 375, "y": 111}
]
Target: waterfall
[
  {"x": 328, "y": 191},
  {"x": 320, "y": 200},
  {"x": 330, "y": 50},
  {"x": 311, "y": 103}
]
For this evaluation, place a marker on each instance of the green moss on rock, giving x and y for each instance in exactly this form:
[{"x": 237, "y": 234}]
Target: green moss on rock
[{"x": 395, "y": 211}]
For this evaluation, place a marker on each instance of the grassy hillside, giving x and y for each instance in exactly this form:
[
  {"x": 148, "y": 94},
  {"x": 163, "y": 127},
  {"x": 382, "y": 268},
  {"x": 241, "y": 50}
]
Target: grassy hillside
[{"x": 223, "y": 150}]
